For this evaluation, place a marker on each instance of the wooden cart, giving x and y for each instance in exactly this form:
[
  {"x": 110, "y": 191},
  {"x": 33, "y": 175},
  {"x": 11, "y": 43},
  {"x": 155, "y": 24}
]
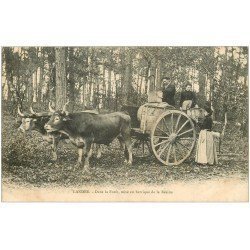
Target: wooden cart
[{"x": 164, "y": 131}]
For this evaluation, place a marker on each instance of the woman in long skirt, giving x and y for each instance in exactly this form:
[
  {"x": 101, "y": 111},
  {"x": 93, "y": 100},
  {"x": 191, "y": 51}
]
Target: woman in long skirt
[{"x": 206, "y": 149}]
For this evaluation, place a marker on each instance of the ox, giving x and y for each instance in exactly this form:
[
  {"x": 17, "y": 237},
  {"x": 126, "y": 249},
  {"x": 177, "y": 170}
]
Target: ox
[
  {"x": 36, "y": 121},
  {"x": 83, "y": 129}
]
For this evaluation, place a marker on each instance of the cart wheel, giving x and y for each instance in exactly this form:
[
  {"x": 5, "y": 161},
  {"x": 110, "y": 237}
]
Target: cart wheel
[
  {"x": 173, "y": 137},
  {"x": 141, "y": 146}
]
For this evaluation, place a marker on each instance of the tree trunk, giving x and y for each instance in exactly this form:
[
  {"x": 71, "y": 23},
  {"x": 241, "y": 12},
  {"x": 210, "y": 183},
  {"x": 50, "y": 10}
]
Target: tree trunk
[
  {"x": 109, "y": 87},
  {"x": 71, "y": 78},
  {"x": 152, "y": 76},
  {"x": 30, "y": 89},
  {"x": 110, "y": 54},
  {"x": 127, "y": 76},
  {"x": 238, "y": 68},
  {"x": 103, "y": 87},
  {"x": 96, "y": 93},
  {"x": 61, "y": 82},
  {"x": 83, "y": 92},
  {"x": 116, "y": 89},
  {"x": 89, "y": 79},
  {"x": 35, "y": 85},
  {"x": 158, "y": 70},
  {"x": 41, "y": 72},
  {"x": 7, "y": 93},
  {"x": 202, "y": 87},
  {"x": 40, "y": 85}
]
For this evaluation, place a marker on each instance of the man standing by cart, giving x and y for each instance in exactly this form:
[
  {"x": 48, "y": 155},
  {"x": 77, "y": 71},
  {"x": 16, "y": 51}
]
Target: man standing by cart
[{"x": 168, "y": 91}]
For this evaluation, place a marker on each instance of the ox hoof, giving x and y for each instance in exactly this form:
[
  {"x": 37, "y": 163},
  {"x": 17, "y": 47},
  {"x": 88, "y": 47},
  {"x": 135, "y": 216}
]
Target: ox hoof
[
  {"x": 78, "y": 164},
  {"x": 128, "y": 162}
]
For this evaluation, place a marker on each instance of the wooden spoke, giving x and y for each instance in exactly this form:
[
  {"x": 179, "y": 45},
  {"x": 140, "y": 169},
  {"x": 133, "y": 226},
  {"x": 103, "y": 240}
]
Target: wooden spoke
[
  {"x": 161, "y": 137},
  {"x": 172, "y": 123},
  {"x": 184, "y": 146},
  {"x": 165, "y": 123},
  {"x": 174, "y": 153},
  {"x": 177, "y": 122},
  {"x": 162, "y": 131},
  {"x": 183, "y": 125},
  {"x": 143, "y": 146},
  {"x": 185, "y": 132},
  {"x": 179, "y": 150},
  {"x": 160, "y": 143},
  {"x": 186, "y": 138},
  {"x": 164, "y": 148},
  {"x": 169, "y": 152}
]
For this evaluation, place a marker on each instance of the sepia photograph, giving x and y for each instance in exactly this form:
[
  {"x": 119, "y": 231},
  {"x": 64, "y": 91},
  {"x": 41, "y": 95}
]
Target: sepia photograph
[{"x": 125, "y": 123}]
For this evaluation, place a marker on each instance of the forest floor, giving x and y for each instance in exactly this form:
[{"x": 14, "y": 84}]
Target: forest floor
[{"x": 26, "y": 162}]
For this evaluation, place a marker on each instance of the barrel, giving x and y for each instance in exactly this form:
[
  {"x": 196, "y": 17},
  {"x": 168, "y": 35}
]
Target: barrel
[{"x": 148, "y": 114}]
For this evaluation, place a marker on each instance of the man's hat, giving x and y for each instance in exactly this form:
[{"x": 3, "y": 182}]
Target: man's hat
[{"x": 188, "y": 84}]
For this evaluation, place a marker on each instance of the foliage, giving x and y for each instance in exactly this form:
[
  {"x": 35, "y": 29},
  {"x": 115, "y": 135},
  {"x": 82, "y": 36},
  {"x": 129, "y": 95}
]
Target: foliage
[{"x": 109, "y": 77}]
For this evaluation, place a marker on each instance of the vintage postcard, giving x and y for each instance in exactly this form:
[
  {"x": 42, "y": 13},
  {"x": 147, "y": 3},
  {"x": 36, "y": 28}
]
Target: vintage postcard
[{"x": 125, "y": 124}]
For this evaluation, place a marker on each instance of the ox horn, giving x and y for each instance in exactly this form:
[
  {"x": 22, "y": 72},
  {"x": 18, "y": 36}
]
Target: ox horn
[
  {"x": 32, "y": 111},
  {"x": 65, "y": 105},
  {"x": 50, "y": 108},
  {"x": 19, "y": 111}
]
